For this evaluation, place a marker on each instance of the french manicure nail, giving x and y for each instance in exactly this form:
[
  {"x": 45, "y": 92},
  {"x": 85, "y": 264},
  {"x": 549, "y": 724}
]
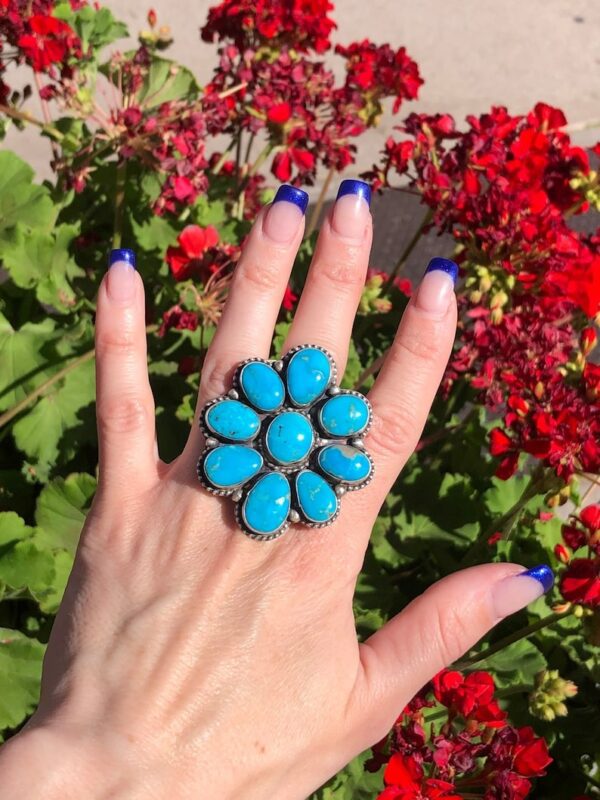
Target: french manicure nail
[
  {"x": 437, "y": 286},
  {"x": 350, "y": 213},
  {"x": 283, "y": 218},
  {"x": 121, "y": 280},
  {"x": 517, "y": 591}
]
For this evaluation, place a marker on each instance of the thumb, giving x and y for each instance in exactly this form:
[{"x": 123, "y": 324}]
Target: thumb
[{"x": 437, "y": 628}]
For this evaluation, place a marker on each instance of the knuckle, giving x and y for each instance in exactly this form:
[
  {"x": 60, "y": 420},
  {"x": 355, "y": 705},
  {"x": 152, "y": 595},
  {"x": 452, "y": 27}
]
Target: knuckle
[
  {"x": 392, "y": 431},
  {"x": 345, "y": 271},
  {"x": 411, "y": 342},
  {"x": 115, "y": 341},
  {"x": 122, "y": 414},
  {"x": 216, "y": 375},
  {"x": 265, "y": 275},
  {"x": 450, "y": 632}
]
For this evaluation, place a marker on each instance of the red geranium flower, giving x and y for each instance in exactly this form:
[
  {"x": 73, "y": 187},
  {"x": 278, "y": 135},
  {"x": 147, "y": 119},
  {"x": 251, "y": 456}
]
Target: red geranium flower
[
  {"x": 47, "y": 42},
  {"x": 581, "y": 582},
  {"x": 405, "y": 781},
  {"x": 530, "y": 755},
  {"x": 188, "y": 259}
]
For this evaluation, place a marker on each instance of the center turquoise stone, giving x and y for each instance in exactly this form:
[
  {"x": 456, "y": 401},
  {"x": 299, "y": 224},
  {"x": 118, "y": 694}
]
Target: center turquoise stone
[{"x": 289, "y": 438}]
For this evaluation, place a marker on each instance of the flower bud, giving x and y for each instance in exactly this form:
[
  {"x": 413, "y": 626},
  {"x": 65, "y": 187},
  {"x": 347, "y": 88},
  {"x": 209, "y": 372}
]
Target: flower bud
[
  {"x": 485, "y": 284},
  {"x": 152, "y": 17},
  {"x": 563, "y": 553},
  {"x": 546, "y": 701}
]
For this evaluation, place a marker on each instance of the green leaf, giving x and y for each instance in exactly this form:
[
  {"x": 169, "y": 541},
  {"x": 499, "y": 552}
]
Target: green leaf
[
  {"x": 61, "y": 510},
  {"x": 20, "y": 200},
  {"x": 20, "y": 674},
  {"x": 154, "y": 234},
  {"x": 517, "y": 663},
  {"x": 39, "y": 432},
  {"x": 95, "y": 27},
  {"x": 23, "y": 359},
  {"x": 505, "y": 494},
  {"x": 42, "y": 261},
  {"x": 49, "y": 600},
  {"x": 27, "y": 566},
  {"x": 166, "y": 81},
  {"x": 13, "y": 529}
]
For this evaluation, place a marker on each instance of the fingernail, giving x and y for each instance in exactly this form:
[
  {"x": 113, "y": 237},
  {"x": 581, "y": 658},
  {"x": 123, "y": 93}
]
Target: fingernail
[
  {"x": 437, "y": 286},
  {"x": 121, "y": 280},
  {"x": 517, "y": 591},
  {"x": 284, "y": 216},
  {"x": 350, "y": 213}
]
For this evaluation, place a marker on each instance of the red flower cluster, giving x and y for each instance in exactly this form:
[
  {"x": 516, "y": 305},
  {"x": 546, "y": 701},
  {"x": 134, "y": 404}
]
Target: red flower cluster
[
  {"x": 472, "y": 746},
  {"x": 281, "y": 89},
  {"x": 531, "y": 364},
  {"x": 580, "y": 582},
  {"x": 504, "y": 189},
  {"x": 40, "y": 39},
  {"x": 380, "y": 71},
  {"x": 304, "y": 24},
  {"x": 198, "y": 255}
]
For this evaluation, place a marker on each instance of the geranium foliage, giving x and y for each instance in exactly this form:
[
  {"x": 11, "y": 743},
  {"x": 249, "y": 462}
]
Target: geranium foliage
[{"x": 146, "y": 154}]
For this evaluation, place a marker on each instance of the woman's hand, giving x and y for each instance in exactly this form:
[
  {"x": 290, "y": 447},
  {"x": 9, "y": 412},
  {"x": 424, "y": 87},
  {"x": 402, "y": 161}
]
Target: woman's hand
[{"x": 189, "y": 661}]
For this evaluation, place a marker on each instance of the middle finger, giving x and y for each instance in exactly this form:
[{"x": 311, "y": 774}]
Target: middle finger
[{"x": 336, "y": 278}]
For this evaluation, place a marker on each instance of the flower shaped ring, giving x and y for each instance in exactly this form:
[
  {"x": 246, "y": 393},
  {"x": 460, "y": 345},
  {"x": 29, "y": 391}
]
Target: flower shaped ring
[{"x": 285, "y": 443}]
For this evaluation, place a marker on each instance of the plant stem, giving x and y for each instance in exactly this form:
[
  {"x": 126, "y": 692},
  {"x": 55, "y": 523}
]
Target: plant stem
[
  {"x": 410, "y": 247},
  {"x": 371, "y": 369},
  {"x": 24, "y": 116},
  {"x": 316, "y": 212},
  {"x": 522, "y": 633},
  {"x": 32, "y": 396},
  {"x": 119, "y": 203},
  {"x": 27, "y": 401},
  {"x": 508, "y": 520}
]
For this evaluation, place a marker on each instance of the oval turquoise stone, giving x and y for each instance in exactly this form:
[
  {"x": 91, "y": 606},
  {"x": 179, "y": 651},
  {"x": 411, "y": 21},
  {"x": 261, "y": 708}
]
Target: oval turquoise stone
[
  {"x": 267, "y": 504},
  {"x": 231, "y": 465},
  {"x": 308, "y": 375},
  {"x": 262, "y": 386},
  {"x": 344, "y": 463},
  {"x": 317, "y": 500},
  {"x": 289, "y": 438},
  {"x": 233, "y": 420},
  {"x": 344, "y": 415}
]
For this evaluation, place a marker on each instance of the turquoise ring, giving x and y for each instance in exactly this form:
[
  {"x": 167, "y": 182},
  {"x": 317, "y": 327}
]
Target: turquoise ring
[{"x": 285, "y": 443}]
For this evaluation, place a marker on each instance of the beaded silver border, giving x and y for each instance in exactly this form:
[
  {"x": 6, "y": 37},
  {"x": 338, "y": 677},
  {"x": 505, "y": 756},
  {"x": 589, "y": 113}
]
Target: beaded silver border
[
  {"x": 285, "y": 363},
  {"x": 265, "y": 452},
  {"x": 239, "y": 504},
  {"x": 237, "y": 393},
  {"x": 322, "y": 439},
  {"x": 303, "y": 519},
  {"x": 210, "y": 445},
  {"x": 209, "y": 434},
  {"x": 317, "y": 408},
  {"x": 343, "y": 486}
]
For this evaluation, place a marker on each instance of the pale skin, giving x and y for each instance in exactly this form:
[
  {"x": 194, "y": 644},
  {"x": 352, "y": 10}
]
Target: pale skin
[{"x": 190, "y": 661}]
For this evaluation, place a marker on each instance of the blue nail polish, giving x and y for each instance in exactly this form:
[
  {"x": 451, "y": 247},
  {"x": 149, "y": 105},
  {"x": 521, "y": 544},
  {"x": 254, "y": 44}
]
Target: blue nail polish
[
  {"x": 291, "y": 194},
  {"x": 543, "y": 574},
  {"x": 444, "y": 265},
  {"x": 352, "y": 186},
  {"x": 122, "y": 254}
]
